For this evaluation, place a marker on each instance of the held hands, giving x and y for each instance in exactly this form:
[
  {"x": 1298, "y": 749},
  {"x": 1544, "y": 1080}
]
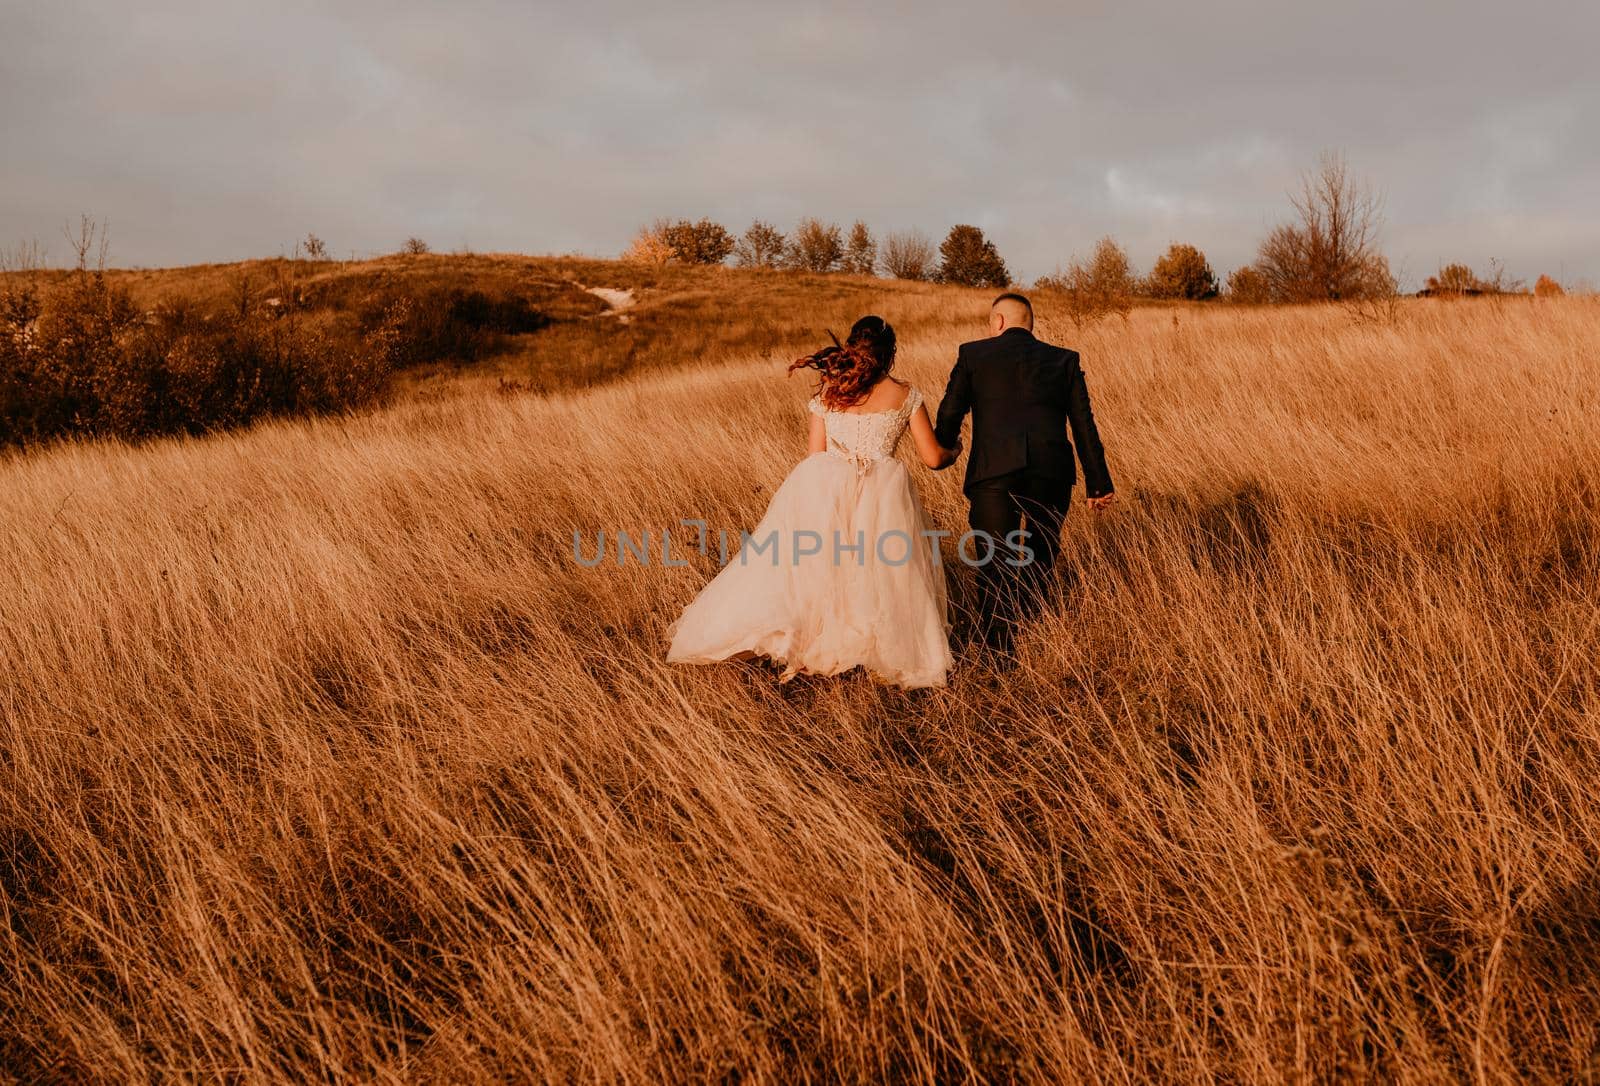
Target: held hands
[{"x": 1102, "y": 503}]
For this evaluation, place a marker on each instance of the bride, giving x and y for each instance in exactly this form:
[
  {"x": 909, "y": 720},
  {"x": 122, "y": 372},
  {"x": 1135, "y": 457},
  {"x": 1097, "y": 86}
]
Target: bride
[{"x": 843, "y": 571}]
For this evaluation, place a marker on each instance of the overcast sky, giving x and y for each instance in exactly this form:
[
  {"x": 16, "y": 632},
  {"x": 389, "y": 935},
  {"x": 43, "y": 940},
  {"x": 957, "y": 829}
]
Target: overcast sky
[{"x": 214, "y": 130}]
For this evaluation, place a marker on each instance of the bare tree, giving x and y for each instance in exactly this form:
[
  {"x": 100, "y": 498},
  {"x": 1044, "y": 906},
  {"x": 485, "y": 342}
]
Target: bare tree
[
  {"x": 27, "y": 256},
  {"x": 908, "y": 254},
  {"x": 761, "y": 246},
  {"x": 414, "y": 247},
  {"x": 93, "y": 236},
  {"x": 315, "y": 248},
  {"x": 1330, "y": 251},
  {"x": 1499, "y": 281}
]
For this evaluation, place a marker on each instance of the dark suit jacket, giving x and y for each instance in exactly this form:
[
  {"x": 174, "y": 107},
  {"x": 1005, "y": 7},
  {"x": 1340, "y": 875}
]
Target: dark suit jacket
[{"x": 1023, "y": 395}]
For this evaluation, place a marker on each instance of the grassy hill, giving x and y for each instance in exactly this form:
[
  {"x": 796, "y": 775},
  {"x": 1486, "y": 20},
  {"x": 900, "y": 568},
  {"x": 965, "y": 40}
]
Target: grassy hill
[
  {"x": 677, "y": 312},
  {"x": 141, "y": 353},
  {"x": 323, "y": 759}
]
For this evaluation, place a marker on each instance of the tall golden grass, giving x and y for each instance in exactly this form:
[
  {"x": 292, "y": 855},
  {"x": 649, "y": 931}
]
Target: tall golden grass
[{"x": 324, "y": 761}]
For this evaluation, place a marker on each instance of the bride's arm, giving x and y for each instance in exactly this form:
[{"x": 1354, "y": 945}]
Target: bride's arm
[
  {"x": 933, "y": 454},
  {"x": 819, "y": 436}
]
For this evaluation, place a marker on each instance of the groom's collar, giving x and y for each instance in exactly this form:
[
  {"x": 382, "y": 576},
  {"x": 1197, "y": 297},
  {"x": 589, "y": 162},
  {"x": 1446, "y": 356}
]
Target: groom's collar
[{"x": 1018, "y": 328}]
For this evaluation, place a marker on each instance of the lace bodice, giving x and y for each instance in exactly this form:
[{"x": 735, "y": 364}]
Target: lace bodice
[{"x": 866, "y": 436}]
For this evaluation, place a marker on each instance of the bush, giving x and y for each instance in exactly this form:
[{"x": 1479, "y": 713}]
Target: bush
[
  {"x": 1182, "y": 272},
  {"x": 1247, "y": 286},
  {"x": 81, "y": 360},
  {"x": 414, "y": 247},
  {"x": 908, "y": 255},
  {"x": 681, "y": 242},
  {"x": 1454, "y": 279},
  {"x": 188, "y": 374},
  {"x": 1098, "y": 287},
  {"x": 703, "y": 242},
  {"x": 445, "y": 324},
  {"x": 1547, "y": 287},
  {"x": 967, "y": 258},
  {"x": 650, "y": 245}
]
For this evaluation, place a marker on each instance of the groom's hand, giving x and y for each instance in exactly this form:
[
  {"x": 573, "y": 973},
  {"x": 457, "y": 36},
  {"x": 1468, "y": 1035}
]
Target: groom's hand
[{"x": 1102, "y": 503}]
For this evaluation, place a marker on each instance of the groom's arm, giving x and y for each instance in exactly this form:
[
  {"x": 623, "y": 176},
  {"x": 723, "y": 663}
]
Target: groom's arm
[
  {"x": 1085, "y": 434},
  {"x": 955, "y": 405}
]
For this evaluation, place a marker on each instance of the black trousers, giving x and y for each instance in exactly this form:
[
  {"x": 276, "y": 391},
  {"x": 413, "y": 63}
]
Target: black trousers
[{"x": 1035, "y": 505}]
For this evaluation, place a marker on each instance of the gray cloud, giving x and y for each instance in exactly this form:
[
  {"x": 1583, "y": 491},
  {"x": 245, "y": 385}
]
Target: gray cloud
[{"x": 217, "y": 129}]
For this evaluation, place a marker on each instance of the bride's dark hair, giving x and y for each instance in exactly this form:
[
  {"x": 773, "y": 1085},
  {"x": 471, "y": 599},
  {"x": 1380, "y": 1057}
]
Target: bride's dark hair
[{"x": 850, "y": 369}]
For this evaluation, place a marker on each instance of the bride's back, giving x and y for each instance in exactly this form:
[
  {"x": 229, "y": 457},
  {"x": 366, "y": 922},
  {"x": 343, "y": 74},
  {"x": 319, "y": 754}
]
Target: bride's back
[
  {"x": 861, "y": 411},
  {"x": 887, "y": 395},
  {"x": 870, "y": 429}
]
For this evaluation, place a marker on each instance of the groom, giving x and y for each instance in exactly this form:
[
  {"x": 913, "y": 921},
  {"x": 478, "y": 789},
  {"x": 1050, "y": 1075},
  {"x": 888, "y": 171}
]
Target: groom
[{"x": 1023, "y": 395}]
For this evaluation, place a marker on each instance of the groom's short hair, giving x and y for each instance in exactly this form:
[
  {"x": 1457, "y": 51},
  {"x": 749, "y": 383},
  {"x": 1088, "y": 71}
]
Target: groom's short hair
[{"x": 1015, "y": 299}]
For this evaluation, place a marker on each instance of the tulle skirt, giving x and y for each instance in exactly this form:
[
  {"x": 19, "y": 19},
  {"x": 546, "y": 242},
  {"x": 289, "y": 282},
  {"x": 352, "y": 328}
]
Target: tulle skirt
[{"x": 840, "y": 573}]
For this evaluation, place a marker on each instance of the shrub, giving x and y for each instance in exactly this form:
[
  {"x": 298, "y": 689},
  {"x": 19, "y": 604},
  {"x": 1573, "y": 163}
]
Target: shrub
[
  {"x": 187, "y": 373},
  {"x": 25, "y": 402},
  {"x": 1098, "y": 287},
  {"x": 315, "y": 248},
  {"x": 1547, "y": 287},
  {"x": 1454, "y": 279},
  {"x": 861, "y": 253},
  {"x": 1499, "y": 281},
  {"x": 1182, "y": 272},
  {"x": 815, "y": 246},
  {"x": 445, "y": 324},
  {"x": 1247, "y": 286},
  {"x": 703, "y": 242},
  {"x": 908, "y": 255},
  {"x": 95, "y": 366},
  {"x": 81, "y": 359},
  {"x": 650, "y": 245},
  {"x": 682, "y": 242},
  {"x": 414, "y": 247},
  {"x": 761, "y": 246},
  {"x": 967, "y": 258}
]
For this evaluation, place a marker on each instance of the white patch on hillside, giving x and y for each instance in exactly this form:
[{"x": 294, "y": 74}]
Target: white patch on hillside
[{"x": 618, "y": 300}]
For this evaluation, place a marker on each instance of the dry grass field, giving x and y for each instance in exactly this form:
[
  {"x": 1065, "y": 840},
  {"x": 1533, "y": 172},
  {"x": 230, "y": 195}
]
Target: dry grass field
[{"x": 323, "y": 761}]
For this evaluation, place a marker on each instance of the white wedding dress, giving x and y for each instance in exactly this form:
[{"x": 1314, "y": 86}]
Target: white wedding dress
[{"x": 880, "y": 606}]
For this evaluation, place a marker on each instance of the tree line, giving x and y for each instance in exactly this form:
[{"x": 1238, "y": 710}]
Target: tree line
[
  {"x": 965, "y": 257},
  {"x": 1327, "y": 249}
]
